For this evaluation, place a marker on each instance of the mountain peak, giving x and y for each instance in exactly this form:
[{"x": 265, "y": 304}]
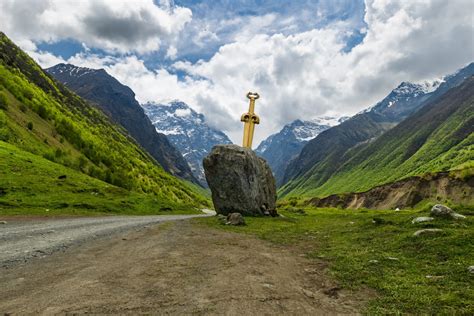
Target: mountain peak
[
  {"x": 187, "y": 130},
  {"x": 72, "y": 70}
]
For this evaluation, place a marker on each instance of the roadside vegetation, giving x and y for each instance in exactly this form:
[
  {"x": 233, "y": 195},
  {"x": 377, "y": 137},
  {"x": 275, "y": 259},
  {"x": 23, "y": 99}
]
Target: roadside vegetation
[{"x": 377, "y": 249}]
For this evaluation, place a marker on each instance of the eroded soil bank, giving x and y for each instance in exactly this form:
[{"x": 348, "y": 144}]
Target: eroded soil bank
[{"x": 438, "y": 188}]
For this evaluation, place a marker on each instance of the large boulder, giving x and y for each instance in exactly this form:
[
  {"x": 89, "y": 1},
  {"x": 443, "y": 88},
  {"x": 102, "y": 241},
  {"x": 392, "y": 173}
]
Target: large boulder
[{"x": 240, "y": 181}]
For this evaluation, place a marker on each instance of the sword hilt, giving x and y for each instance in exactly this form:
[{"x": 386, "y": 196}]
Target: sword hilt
[{"x": 253, "y": 95}]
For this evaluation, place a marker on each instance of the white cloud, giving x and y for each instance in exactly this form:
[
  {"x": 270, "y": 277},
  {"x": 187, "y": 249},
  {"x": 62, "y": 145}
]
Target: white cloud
[
  {"x": 309, "y": 74},
  {"x": 112, "y": 25}
]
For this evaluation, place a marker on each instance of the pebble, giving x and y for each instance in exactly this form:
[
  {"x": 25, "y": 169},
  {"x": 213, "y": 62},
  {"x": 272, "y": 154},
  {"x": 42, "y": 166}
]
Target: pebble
[
  {"x": 373, "y": 261},
  {"x": 428, "y": 231},
  {"x": 308, "y": 293},
  {"x": 422, "y": 219},
  {"x": 393, "y": 259}
]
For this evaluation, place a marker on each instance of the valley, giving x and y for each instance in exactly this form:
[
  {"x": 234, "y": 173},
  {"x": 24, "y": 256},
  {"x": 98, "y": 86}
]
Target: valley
[{"x": 121, "y": 191}]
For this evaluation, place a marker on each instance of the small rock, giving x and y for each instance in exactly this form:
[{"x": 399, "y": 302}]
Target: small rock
[
  {"x": 471, "y": 269},
  {"x": 435, "y": 277},
  {"x": 3, "y": 222},
  {"x": 393, "y": 259},
  {"x": 235, "y": 219},
  {"x": 352, "y": 223},
  {"x": 443, "y": 211},
  {"x": 457, "y": 216},
  {"x": 422, "y": 219},
  {"x": 308, "y": 293},
  {"x": 428, "y": 231},
  {"x": 397, "y": 209},
  {"x": 373, "y": 261},
  {"x": 440, "y": 210},
  {"x": 267, "y": 285}
]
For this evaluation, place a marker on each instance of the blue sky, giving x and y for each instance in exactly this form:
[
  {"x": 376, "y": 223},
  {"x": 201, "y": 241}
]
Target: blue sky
[
  {"x": 208, "y": 15},
  {"x": 306, "y": 58}
]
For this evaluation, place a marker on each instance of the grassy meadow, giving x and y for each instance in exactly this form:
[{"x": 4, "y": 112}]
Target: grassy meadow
[{"x": 410, "y": 275}]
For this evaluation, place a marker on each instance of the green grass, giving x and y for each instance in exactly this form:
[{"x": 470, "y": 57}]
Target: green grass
[
  {"x": 348, "y": 241},
  {"x": 31, "y": 185}
]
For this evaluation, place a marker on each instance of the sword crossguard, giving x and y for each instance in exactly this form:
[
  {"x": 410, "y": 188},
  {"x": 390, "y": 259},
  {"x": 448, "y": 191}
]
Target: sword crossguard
[
  {"x": 250, "y": 117},
  {"x": 253, "y": 95}
]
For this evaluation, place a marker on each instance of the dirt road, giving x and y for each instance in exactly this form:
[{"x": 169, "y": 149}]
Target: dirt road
[
  {"x": 21, "y": 240},
  {"x": 174, "y": 268}
]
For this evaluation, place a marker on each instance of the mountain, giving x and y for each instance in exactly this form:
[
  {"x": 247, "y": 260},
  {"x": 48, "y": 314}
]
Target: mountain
[
  {"x": 60, "y": 153},
  {"x": 280, "y": 148},
  {"x": 188, "y": 131},
  {"x": 438, "y": 138},
  {"x": 324, "y": 155},
  {"x": 119, "y": 103}
]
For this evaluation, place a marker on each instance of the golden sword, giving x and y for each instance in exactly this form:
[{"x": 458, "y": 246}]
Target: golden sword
[{"x": 250, "y": 119}]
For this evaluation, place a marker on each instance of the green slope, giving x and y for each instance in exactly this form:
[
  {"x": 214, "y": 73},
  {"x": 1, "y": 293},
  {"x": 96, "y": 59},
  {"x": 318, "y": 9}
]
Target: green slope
[
  {"x": 40, "y": 116},
  {"x": 439, "y": 137}
]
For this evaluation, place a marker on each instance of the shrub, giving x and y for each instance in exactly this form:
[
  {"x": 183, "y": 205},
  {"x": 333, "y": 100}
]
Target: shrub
[
  {"x": 3, "y": 101},
  {"x": 43, "y": 112}
]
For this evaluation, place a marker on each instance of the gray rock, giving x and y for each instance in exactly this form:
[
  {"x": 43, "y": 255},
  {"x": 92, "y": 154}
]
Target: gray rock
[
  {"x": 440, "y": 210},
  {"x": 471, "y": 269},
  {"x": 235, "y": 219},
  {"x": 240, "y": 181},
  {"x": 422, "y": 219},
  {"x": 3, "y": 222},
  {"x": 443, "y": 211},
  {"x": 457, "y": 216},
  {"x": 428, "y": 231}
]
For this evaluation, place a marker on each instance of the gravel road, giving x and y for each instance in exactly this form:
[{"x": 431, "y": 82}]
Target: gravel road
[{"x": 22, "y": 240}]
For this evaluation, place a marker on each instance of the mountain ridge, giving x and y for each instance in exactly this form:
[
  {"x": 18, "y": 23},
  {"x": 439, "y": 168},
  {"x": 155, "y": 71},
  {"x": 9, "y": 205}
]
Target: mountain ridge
[
  {"x": 119, "y": 103},
  {"x": 322, "y": 156}
]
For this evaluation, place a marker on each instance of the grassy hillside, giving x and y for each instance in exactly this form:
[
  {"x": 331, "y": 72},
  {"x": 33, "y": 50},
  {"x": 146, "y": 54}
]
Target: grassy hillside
[
  {"x": 33, "y": 185},
  {"x": 439, "y": 137},
  {"x": 40, "y": 116},
  {"x": 321, "y": 157}
]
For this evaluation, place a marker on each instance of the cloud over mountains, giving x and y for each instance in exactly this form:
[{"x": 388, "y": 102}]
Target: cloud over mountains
[
  {"x": 112, "y": 25},
  {"x": 300, "y": 73}
]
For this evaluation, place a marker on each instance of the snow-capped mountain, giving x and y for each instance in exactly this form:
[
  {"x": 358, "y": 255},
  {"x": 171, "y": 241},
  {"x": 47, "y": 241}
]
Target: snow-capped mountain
[
  {"x": 404, "y": 99},
  {"x": 278, "y": 149},
  {"x": 187, "y": 130}
]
